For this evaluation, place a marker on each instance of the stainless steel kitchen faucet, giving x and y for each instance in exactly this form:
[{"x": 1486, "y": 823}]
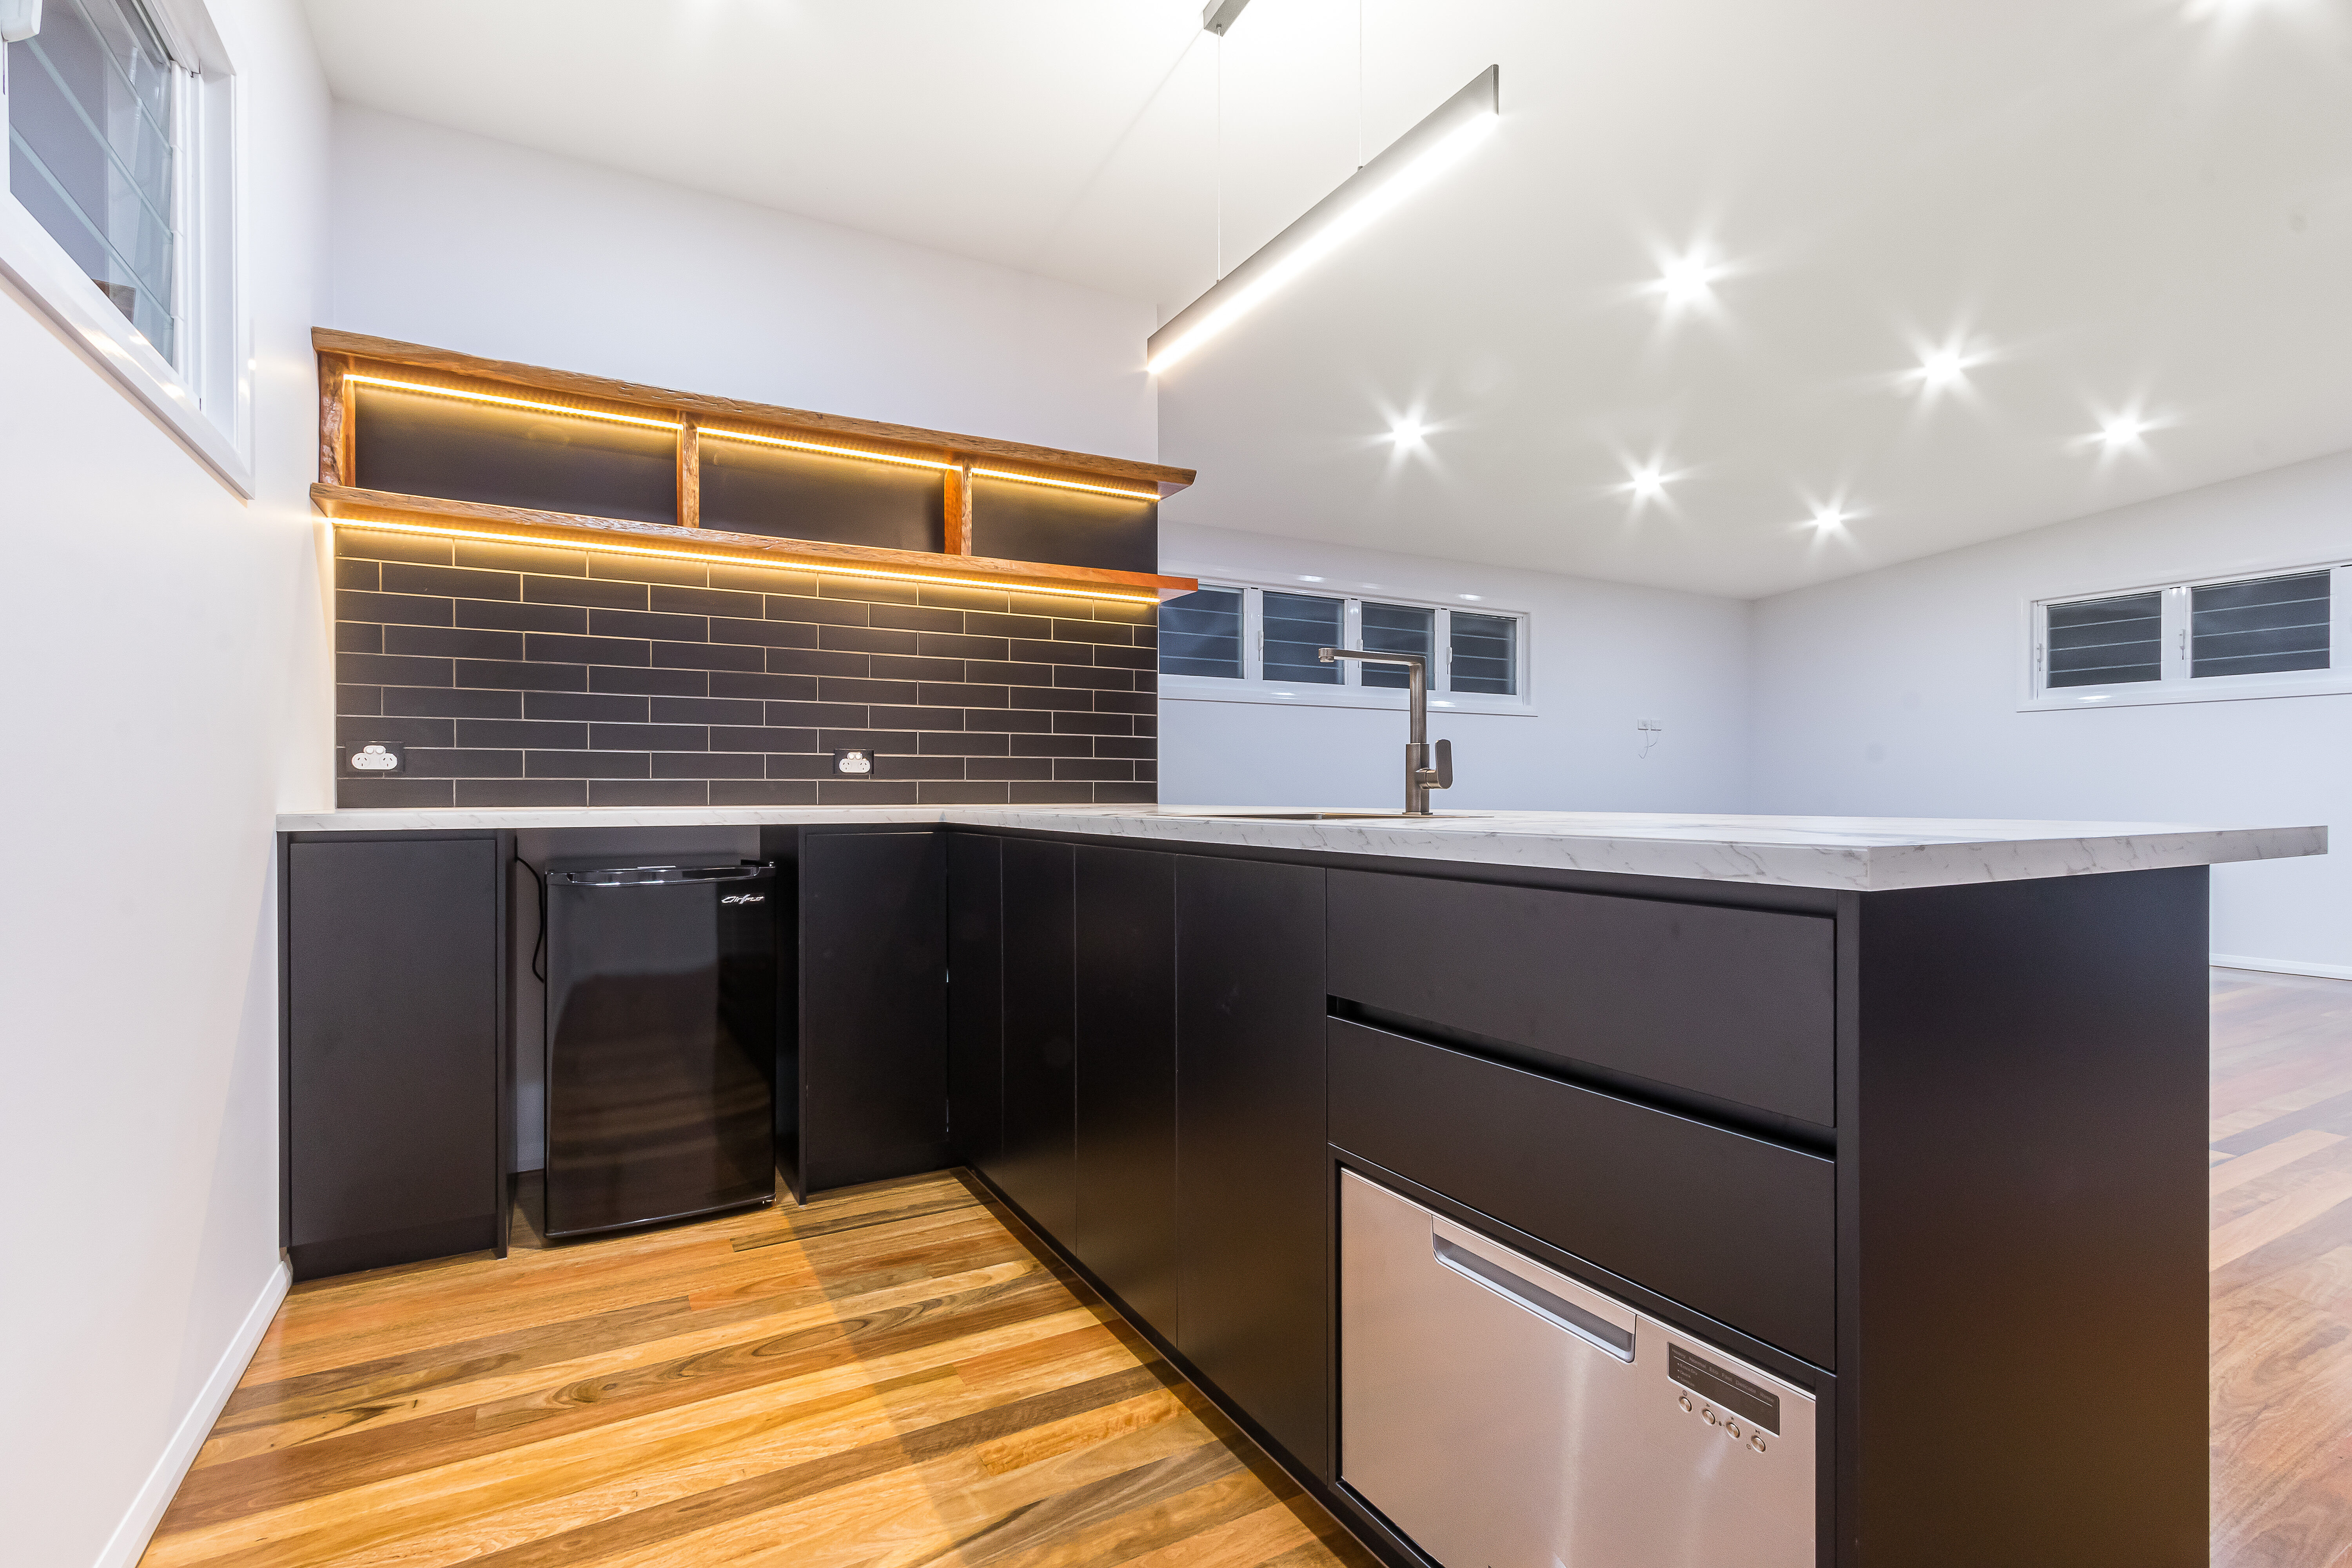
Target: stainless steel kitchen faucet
[{"x": 1420, "y": 778}]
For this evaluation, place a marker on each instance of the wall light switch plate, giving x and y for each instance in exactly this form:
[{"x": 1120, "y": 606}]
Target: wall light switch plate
[
  {"x": 373, "y": 760},
  {"x": 855, "y": 761}
]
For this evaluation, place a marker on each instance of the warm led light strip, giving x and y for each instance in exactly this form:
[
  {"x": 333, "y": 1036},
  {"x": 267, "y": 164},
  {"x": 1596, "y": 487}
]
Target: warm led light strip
[
  {"x": 824, "y": 568},
  {"x": 821, "y": 447},
  {"x": 508, "y": 402},
  {"x": 472, "y": 396},
  {"x": 1066, "y": 484}
]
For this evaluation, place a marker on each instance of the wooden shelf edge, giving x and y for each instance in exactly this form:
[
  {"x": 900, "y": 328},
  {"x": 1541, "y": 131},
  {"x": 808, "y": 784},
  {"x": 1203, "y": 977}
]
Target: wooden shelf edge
[
  {"x": 345, "y": 504},
  {"x": 328, "y": 341}
]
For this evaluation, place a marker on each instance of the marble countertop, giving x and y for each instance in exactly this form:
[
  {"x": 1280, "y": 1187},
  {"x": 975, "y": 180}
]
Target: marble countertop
[{"x": 1858, "y": 854}]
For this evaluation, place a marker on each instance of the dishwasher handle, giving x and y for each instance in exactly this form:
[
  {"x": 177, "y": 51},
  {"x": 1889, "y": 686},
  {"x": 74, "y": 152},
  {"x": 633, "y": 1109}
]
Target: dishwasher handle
[{"x": 1594, "y": 1329}]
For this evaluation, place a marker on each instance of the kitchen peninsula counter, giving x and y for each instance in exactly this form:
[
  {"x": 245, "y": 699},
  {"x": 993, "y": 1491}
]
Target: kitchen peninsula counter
[
  {"x": 1859, "y": 854},
  {"x": 1906, "y": 1114}
]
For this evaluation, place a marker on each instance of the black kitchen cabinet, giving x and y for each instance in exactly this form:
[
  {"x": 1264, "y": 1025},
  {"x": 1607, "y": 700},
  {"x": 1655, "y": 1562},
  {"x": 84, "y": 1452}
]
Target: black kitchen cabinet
[
  {"x": 393, "y": 1002},
  {"x": 976, "y": 1000},
  {"x": 1253, "y": 1203},
  {"x": 1125, "y": 1124},
  {"x": 1037, "y": 1166},
  {"x": 872, "y": 1041}
]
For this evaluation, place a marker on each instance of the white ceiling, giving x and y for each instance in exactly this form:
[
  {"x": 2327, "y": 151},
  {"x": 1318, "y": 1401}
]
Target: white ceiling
[{"x": 2111, "y": 209}]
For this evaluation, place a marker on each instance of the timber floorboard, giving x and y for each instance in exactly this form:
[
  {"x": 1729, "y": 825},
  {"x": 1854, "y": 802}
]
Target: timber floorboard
[
  {"x": 894, "y": 1376},
  {"x": 2282, "y": 1271},
  {"x": 889, "y": 1377}
]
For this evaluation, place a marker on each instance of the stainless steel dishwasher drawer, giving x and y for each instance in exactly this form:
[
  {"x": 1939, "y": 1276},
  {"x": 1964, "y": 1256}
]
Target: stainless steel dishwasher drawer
[{"x": 1502, "y": 1415}]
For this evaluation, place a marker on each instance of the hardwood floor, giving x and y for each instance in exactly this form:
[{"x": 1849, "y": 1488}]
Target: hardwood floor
[
  {"x": 889, "y": 1377},
  {"x": 2281, "y": 1262}
]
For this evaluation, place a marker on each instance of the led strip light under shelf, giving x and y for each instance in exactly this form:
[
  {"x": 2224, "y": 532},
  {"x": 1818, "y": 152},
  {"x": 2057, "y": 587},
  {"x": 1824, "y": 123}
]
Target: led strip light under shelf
[
  {"x": 721, "y": 433},
  {"x": 821, "y": 568}
]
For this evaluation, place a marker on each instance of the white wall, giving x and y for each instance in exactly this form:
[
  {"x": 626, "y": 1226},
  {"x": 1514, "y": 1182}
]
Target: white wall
[
  {"x": 1604, "y": 656},
  {"x": 167, "y": 696},
  {"x": 453, "y": 240},
  {"x": 1895, "y": 693}
]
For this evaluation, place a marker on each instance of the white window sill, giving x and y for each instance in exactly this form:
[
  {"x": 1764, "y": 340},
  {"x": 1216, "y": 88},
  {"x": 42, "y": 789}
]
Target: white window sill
[
  {"x": 2156, "y": 694},
  {"x": 1275, "y": 694},
  {"x": 39, "y": 267}
]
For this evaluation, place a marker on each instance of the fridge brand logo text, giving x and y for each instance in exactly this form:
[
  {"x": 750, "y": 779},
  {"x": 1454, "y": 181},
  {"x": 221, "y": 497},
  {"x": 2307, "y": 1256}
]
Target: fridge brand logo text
[{"x": 744, "y": 899}]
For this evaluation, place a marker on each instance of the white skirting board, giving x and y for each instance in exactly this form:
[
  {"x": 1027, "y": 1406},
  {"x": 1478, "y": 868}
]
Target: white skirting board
[
  {"x": 2282, "y": 967},
  {"x": 129, "y": 1539}
]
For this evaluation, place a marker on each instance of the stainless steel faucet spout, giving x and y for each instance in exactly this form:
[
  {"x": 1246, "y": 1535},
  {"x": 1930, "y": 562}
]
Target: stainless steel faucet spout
[{"x": 1420, "y": 778}]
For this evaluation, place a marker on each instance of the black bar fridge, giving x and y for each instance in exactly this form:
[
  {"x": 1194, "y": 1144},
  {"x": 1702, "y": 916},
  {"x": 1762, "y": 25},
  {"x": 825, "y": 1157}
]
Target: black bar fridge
[{"x": 661, "y": 1043}]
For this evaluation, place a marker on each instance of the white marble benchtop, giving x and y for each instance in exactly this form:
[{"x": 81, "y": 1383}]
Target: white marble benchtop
[{"x": 1860, "y": 854}]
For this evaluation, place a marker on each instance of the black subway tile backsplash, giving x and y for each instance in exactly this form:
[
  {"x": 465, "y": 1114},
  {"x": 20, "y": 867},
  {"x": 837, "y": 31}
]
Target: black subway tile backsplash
[
  {"x": 782, "y": 791},
  {"x": 587, "y": 707},
  {"x": 649, "y": 682},
  {"x": 450, "y": 642},
  {"x": 523, "y": 676},
  {"x": 358, "y": 730},
  {"x": 521, "y": 792},
  {"x": 649, "y": 623},
  {"x": 392, "y": 609},
  {"x": 649, "y": 738},
  {"x": 429, "y": 702},
  {"x": 383, "y": 669},
  {"x": 707, "y": 710},
  {"x": 515, "y": 674},
  {"x": 513, "y": 616},
  {"x": 648, "y": 791},
  {"x": 539, "y": 733},
  {"x": 586, "y": 592},
  {"x": 709, "y": 655},
  {"x": 587, "y": 764},
  {"x": 450, "y": 581}
]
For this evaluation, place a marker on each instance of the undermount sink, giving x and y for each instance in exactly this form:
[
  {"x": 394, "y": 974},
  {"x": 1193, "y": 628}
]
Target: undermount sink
[{"x": 1337, "y": 817}]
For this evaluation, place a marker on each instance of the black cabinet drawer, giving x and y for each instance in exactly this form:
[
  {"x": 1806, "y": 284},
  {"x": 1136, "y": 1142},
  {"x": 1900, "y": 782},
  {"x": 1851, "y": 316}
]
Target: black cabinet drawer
[
  {"x": 1733, "y": 1227},
  {"x": 1732, "y": 1003}
]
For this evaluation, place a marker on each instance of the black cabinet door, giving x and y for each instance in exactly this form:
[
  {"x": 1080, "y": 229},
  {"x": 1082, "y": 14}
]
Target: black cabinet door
[
  {"x": 1252, "y": 1201},
  {"x": 392, "y": 1051},
  {"x": 1125, "y": 1054},
  {"x": 976, "y": 1000},
  {"x": 1037, "y": 1166},
  {"x": 873, "y": 1036}
]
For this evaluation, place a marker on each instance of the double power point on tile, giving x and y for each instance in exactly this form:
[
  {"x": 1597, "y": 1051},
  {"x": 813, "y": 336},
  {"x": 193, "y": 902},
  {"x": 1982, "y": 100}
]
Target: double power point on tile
[
  {"x": 853, "y": 762},
  {"x": 374, "y": 760}
]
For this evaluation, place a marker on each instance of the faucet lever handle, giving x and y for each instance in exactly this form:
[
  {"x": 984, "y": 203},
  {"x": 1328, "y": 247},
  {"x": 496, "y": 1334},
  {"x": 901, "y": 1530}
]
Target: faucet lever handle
[{"x": 1445, "y": 765}]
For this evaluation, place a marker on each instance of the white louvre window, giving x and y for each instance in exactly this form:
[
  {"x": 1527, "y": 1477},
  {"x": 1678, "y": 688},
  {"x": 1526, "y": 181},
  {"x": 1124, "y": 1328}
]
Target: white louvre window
[
  {"x": 119, "y": 219},
  {"x": 1250, "y": 642},
  {"x": 2274, "y": 633}
]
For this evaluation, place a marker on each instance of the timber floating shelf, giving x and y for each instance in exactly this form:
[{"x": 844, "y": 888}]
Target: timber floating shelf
[{"x": 477, "y": 519}]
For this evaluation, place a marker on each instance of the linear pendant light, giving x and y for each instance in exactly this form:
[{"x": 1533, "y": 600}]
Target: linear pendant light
[{"x": 1407, "y": 165}]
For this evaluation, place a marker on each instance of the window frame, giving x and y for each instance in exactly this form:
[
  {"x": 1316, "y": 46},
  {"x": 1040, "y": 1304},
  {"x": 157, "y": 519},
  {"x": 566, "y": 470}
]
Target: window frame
[
  {"x": 2175, "y": 683},
  {"x": 203, "y": 391},
  {"x": 1351, "y": 691}
]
